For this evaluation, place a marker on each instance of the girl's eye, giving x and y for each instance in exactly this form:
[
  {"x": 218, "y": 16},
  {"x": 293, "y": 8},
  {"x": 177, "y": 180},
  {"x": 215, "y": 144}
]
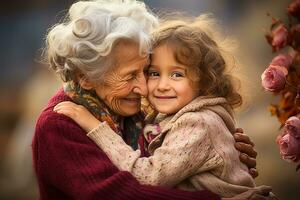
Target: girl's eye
[
  {"x": 177, "y": 74},
  {"x": 153, "y": 73}
]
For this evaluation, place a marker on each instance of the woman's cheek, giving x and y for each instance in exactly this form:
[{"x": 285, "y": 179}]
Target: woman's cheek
[
  {"x": 121, "y": 90},
  {"x": 115, "y": 104}
]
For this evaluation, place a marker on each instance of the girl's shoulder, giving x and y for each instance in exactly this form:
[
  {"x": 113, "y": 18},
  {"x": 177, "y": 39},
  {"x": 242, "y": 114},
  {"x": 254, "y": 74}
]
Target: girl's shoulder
[
  {"x": 199, "y": 116},
  {"x": 193, "y": 119},
  {"x": 208, "y": 117},
  {"x": 199, "y": 104}
]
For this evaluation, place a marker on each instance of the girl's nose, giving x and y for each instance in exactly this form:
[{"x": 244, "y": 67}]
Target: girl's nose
[{"x": 163, "y": 84}]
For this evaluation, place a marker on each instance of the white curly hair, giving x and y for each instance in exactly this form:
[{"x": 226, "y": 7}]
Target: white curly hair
[{"x": 85, "y": 40}]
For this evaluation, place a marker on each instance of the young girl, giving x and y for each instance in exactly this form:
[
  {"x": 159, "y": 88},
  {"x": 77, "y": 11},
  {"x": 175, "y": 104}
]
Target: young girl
[{"x": 190, "y": 140}]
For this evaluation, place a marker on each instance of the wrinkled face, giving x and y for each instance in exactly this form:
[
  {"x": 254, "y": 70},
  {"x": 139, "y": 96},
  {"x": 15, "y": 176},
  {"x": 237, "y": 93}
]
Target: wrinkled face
[
  {"x": 125, "y": 85},
  {"x": 169, "y": 87}
]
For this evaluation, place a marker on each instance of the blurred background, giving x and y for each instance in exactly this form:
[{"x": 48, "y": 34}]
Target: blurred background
[{"x": 26, "y": 85}]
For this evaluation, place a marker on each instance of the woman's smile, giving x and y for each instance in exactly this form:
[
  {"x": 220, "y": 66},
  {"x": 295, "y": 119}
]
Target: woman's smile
[{"x": 133, "y": 100}]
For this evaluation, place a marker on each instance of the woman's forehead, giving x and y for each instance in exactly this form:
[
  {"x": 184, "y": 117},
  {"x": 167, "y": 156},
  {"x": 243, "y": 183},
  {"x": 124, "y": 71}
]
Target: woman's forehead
[
  {"x": 128, "y": 54},
  {"x": 134, "y": 65},
  {"x": 126, "y": 50}
]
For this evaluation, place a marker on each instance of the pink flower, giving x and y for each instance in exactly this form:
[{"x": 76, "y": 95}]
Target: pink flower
[
  {"x": 289, "y": 140},
  {"x": 292, "y": 126},
  {"x": 279, "y": 37},
  {"x": 289, "y": 147},
  {"x": 284, "y": 60},
  {"x": 294, "y": 8},
  {"x": 273, "y": 78}
]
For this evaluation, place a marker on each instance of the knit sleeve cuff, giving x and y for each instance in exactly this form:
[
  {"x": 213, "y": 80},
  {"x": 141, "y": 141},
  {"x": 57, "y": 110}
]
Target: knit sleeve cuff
[
  {"x": 121, "y": 154},
  {"x": 103, "y": 127}
]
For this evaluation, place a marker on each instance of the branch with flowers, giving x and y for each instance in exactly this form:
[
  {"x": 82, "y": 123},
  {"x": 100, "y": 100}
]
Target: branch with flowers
[{"x": 282, "y": 78}]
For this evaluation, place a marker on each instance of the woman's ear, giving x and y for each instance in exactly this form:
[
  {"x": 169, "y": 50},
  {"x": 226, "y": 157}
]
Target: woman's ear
[{"x": 83, "y": 82}]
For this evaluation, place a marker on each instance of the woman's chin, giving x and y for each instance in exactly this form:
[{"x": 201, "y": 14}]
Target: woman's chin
[{"x": 127, "y": 111}]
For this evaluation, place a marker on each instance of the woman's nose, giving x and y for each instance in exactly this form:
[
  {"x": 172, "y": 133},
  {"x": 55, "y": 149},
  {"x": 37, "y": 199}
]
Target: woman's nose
[{"x": 141, "y": 86}]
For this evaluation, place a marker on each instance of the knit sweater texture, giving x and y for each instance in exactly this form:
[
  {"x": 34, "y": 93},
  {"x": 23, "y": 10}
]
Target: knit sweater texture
[
  {"x": 69, "y": 165},
  {"x": 193, "y": 151}
]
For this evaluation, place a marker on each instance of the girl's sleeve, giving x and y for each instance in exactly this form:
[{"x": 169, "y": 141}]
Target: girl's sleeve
[{"x": 184, "y": 150}]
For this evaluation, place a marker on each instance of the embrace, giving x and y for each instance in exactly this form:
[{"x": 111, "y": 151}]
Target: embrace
[{"x": 146, "y": 110}]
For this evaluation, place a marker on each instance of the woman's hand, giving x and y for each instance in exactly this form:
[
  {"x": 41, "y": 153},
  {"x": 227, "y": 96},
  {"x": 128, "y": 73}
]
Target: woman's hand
[
  {"x": 79, "y": 114},
  {"x": 246, "y": 147},
  {"x": 258, "y": 193}
]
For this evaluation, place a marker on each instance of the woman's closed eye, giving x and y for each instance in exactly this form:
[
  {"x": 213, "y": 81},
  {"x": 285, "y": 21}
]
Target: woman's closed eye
[{"x": 131, "y": 77}]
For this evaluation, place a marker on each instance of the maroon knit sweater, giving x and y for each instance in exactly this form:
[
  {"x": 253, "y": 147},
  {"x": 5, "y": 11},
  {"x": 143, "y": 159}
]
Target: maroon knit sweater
[{"x": 69, "y": 165}]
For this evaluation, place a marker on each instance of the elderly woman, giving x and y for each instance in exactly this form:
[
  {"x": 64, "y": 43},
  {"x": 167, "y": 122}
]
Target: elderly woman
[{"x": 101, "y": 53}]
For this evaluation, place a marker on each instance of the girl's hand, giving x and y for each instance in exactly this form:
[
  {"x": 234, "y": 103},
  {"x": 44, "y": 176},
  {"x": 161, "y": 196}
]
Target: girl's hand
[
  {"x": 248, "y": 155},
  {"x": 79, "y": 114}
]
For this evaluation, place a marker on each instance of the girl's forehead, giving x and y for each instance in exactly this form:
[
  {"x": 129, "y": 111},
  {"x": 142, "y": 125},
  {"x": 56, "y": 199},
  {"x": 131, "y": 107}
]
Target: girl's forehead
[
  {"x": 163, "y": 49},
  {"x": 167, "y": 45}
]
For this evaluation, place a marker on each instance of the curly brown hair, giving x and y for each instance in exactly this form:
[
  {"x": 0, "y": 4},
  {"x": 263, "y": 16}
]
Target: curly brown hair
[{"x": 195, "y": 44}]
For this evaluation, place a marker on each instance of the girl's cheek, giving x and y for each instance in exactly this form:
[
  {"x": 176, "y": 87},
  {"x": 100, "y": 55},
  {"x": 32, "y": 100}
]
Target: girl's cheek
[{"x": 151, "y": 86}]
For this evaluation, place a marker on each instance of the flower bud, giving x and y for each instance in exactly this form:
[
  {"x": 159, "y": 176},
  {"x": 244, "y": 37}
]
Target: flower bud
[
  {"x": 294, "y": 9},
  {"x": 280, "y": 37},
  {"x": 284, "y": 60}
]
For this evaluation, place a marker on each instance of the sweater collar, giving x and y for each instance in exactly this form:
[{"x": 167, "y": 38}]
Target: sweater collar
[
  {"x": 219, "y": 105},
  {"x": 90, "y": 100}
]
